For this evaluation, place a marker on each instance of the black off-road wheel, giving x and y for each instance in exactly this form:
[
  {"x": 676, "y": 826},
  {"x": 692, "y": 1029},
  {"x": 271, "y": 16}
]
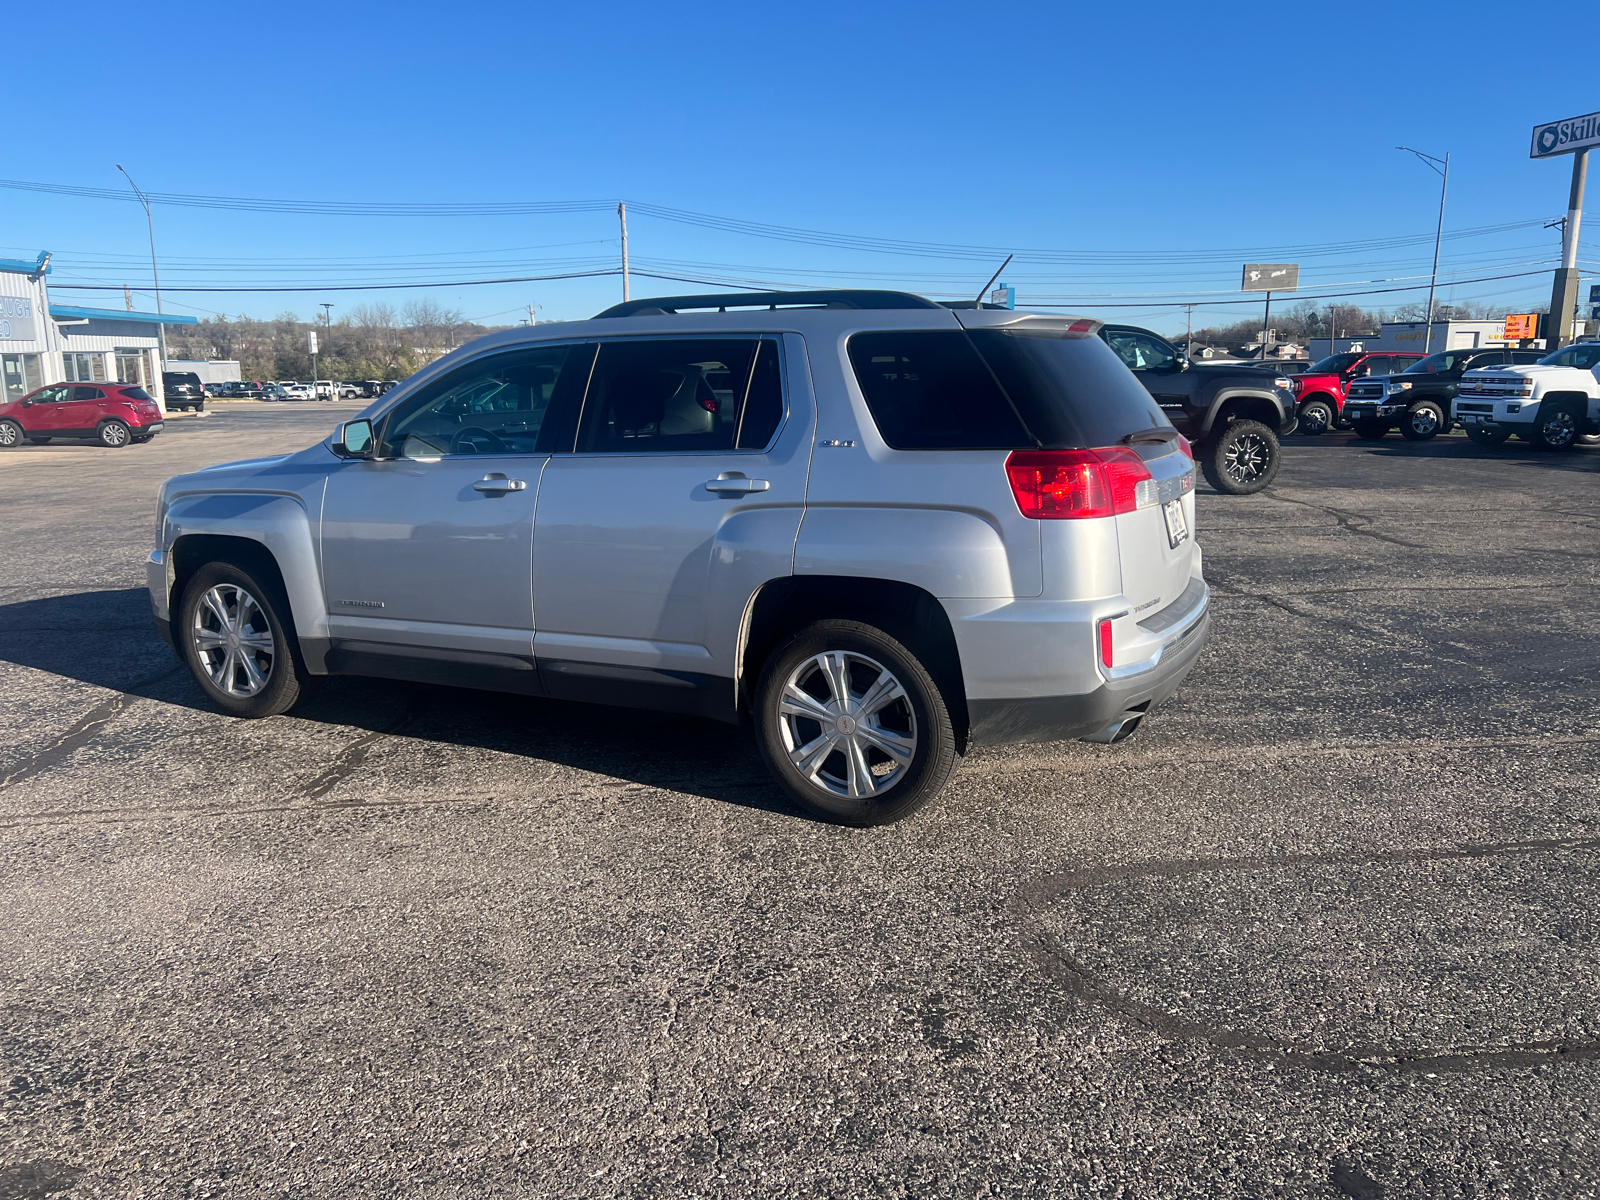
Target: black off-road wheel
[
  {"x": 1487, "y": 437},
  {"x": 852, "y": 725},
  {"x": 1558, "y": 426},
  {"x": 230, "y": 630},
  {"x": 1423, "y": 421},
  {"x": 1242, "y": 458}
]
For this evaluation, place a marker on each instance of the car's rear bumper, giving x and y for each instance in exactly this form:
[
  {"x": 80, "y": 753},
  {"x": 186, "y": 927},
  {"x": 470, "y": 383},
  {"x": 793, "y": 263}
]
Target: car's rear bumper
[{"x": 1057, "y": 718}]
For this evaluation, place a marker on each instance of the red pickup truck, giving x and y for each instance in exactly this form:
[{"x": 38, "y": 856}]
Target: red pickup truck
[{"x": 1320, "y": 390}]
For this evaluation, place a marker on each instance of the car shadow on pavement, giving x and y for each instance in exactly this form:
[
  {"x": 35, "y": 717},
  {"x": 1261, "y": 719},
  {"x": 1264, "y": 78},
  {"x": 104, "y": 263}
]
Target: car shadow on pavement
[
  {"x": 107, "y": 639},
  {"x": 1581, "y": 458}
]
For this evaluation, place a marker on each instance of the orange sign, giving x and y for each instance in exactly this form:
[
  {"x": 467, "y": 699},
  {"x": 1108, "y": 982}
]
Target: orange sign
[{"x": 1521, "y": 325}]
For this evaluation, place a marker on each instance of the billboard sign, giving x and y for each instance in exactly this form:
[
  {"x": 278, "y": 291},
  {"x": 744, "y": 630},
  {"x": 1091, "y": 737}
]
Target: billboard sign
[
  {"x": 16, "y": 320},
  {"x": 1520, "y": 326},
  {"x": 1271, "y": 277},
  {"x": 1563, "y": 137}
]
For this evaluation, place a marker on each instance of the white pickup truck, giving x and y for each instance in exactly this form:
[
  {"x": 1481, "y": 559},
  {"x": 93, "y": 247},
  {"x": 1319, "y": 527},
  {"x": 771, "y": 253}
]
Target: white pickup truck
[{"x": 1552, "y": 403}]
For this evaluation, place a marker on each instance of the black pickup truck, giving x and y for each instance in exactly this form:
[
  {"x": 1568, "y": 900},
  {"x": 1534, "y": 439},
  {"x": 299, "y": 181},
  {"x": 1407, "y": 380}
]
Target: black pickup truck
[
  {"x": 1234, "y": 413},
  {"x": 1421, "y": 400}
]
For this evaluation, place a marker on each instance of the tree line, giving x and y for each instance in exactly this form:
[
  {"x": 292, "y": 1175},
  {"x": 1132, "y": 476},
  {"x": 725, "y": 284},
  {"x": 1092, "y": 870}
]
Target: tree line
[
  {"x": 1306, "y": 319},
  {"x": 370, "y": 341}
]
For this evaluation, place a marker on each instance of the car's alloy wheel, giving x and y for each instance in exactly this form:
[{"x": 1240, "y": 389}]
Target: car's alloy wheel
[
  {"x": 1422, "y": 422},
  {"x": 1243, "y": 458},
  {"x": 233, "y": 641},
  {"x": 1558, "y": 431},
  {"x": 114, "y": 434},
  {"x": 1316, "y": 418},
  {"x": 10, "y": 435},
  {"x": 847, "y": 725},
  {"x": 852, "y": 725}
]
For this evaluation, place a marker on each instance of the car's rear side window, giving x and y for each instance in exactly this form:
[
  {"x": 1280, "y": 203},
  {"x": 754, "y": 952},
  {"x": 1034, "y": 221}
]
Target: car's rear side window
[{"x": 930, "y": 390}]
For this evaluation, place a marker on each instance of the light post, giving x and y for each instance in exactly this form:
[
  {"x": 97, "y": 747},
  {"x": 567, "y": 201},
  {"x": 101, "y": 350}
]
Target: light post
[
  {"x": 150, "y": 222},
  {"x": 1442, "y": 167}
]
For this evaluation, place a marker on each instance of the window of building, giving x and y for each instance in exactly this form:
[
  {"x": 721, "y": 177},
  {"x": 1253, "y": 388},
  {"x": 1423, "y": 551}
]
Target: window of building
[
  {"x": 84, "y": 368},
  {"x": 131, "y": 366},
  {"x": 19, "y": 375}
]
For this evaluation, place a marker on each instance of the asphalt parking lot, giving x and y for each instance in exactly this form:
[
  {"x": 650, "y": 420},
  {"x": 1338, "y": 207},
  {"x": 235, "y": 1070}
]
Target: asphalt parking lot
[{"x": 1329, "y": 925}]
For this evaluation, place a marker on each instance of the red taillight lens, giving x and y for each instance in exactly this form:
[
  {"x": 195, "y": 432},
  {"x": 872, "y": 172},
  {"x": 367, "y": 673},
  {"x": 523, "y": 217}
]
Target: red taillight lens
[
  {"x": 1186, "y": 446},
  {"x": 1057, "y": 485},
  {"x": 1104, "y": 631}
]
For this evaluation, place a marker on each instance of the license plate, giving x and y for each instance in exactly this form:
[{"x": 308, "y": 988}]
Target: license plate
[{"x": 1177, "y": 527}]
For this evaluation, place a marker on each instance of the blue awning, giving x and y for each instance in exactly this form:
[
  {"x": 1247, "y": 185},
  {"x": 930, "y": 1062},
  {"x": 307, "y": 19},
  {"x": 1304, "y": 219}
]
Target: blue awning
[{"x": 66, "y": 312}]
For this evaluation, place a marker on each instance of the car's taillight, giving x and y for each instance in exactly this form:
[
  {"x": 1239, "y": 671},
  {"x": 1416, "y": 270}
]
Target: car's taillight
[
  {"x": 1104, "y": 631},
  {"x": 1186, "y": 446},
  {"x": 1056, "y": 485}
]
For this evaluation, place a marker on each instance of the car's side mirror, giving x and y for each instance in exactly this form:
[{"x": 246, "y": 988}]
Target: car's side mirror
[
  {"x": 1183, "y": 361},
  {"x": 353, "y": 439}
]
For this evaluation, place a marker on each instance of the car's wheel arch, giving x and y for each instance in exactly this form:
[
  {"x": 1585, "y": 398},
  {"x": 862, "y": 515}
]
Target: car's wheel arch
[
  {"x": 911, "y": 615},
  {"x": 1244, "y": 404}
]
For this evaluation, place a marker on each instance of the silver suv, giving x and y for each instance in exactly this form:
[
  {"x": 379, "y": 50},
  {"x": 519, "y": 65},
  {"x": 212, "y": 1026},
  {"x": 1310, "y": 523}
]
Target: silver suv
[{"x": 883, "y": 529}]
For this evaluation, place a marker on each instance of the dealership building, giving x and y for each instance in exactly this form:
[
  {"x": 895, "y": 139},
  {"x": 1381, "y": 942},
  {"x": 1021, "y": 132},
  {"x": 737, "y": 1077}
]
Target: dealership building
[{"x": 42, "y": 343}]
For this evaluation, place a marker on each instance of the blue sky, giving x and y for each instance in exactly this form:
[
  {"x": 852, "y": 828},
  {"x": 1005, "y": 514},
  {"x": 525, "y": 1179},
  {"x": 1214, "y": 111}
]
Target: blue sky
[{"x": 1152, "y": 147}]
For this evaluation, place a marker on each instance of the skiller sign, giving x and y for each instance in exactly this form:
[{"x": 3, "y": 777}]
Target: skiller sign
[{"x": 1565, "y": 137}]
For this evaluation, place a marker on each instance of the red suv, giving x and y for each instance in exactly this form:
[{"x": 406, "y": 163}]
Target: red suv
[
  {"x": 113, "y": 414},
  {"x": 1320, "y": 390}
]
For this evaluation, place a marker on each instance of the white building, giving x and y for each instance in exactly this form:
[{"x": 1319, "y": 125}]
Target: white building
[
  {"x": 44, "y": 343},
  {"x": 1413, "y": 335}
]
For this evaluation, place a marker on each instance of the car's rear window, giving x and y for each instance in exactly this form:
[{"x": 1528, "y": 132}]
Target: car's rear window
[
  {"x": 137, "y": 393},
  {"x": 998, "y": 390}
]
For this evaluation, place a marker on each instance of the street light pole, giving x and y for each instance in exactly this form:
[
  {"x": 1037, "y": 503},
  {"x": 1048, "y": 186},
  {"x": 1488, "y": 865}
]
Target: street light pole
[
  {"x": 1442, "y": 167},
  {"x": 150, "y": 222}
]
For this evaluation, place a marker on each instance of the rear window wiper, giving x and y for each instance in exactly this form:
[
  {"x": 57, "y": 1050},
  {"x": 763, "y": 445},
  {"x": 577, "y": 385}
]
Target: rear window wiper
[{"x": 1150, "y": 437}]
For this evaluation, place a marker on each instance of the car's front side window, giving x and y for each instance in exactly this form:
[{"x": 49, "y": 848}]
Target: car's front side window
[
  {"x": 1140, "y": 352},
  {"x": 682, "y": 395},
  {"x": 496, "y": 405}
]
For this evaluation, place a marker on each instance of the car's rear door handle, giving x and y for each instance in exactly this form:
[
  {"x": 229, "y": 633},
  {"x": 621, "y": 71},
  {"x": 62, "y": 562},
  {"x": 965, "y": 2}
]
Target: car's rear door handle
[
  {"x": 499, "y": 483},
  {"x": 732, "y": 481}
]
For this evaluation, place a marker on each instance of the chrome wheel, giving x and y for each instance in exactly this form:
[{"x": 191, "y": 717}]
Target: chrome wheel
[
  {"x": 847, "y": 724},
  {"x": 1246, "y": 458},
  {"x": 1560, "y": 431},
  {"x": 1424, "y": 421},
  {"x": 1315, "y": 418},
  {"x": 233, "y": 640}
]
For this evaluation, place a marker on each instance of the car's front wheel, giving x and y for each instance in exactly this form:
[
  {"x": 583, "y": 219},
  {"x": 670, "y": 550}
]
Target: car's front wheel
[
  {"x": 1558, "y": 426},
  {"x": 1316, "y": 417},
  {"x": 852, "y": 725},
  {"x": 236, "y": 643},
  {"x": 11, "y": 435},
  {"x": 1423, "y": 420},
  {"x": 1242, "y": 459}
]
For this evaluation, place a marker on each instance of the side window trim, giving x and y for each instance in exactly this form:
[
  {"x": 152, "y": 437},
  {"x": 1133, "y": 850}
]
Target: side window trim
[{"x": 699, "y": 335}]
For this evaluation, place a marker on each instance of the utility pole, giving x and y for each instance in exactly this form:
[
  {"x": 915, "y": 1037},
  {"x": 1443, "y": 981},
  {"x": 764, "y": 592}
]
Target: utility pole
[
  {"x": 1442, "y": 167},
  {"x": 327, "y": 313},
  {"x": 622, "y": 215},
  {"x": 1188, "y": 338},
  {"x": 530, "y": 316},
  {"x": 1564, "y": 292},
  {"x": 161, "y": 329}
]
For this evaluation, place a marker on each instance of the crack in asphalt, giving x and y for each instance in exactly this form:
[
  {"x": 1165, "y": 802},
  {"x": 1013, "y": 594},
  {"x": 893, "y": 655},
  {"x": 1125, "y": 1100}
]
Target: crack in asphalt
[
  {"x": 82, "y": 732},
  {"x": 1043, "y": 947},
  {"x": 1345, "y": 521}
]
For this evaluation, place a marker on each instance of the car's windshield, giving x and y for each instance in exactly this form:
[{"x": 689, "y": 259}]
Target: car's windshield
[
  {"x": 1583, "y": 356},
  {"x": 1334, "y": 363},
  {"x": 1445, "y": 360}
]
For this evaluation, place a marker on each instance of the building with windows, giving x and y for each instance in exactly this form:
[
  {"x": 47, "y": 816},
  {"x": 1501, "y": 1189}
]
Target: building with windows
[{"x": 44, "y": 343}]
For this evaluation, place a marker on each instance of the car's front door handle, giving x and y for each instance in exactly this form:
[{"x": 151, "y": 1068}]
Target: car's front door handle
[
  {"x": 736, "y": 483},
  {"x": 499, "y": 483}
]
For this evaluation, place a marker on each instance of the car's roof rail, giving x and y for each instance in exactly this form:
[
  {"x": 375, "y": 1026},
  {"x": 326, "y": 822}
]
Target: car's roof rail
[{"x": 658, "y": 306}]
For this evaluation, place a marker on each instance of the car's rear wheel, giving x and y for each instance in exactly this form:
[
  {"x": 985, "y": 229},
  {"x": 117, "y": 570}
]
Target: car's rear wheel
[
  {"x": 1242, "y": 459},
  {"x": 11, "y": 434},
  {"x": 1316, "y": 417},
  {"x": 1487, "y": 437},
  {"x": 236, "y": 643},
  {"x": 1558, "y": 426},
  {"x": 852, "y": 725},
  {"x": 114, "y": 433},
  {"x": 1423, "y": 420}
]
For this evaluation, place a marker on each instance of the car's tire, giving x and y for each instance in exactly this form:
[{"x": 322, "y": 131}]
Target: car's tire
[
  {"x": 1558, "y": 426},
  {"x": 1487, "y": 437},
  {"x": 1366, "y": 428},
  {"x": 1242, "y": 458},
  {"x": 857, "y": 780},
  {"x": 1316, "y": 418},
  {"x": 113, "y": 434},
  {"x": 1423, "y": 421},
  {"x": 11, "y": 435},
  {"x": 255, "y": 672}
]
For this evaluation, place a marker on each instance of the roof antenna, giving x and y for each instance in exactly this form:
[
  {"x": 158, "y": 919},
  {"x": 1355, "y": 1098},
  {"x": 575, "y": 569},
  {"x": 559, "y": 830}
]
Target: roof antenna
[{"x": 978, "y": 303}]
